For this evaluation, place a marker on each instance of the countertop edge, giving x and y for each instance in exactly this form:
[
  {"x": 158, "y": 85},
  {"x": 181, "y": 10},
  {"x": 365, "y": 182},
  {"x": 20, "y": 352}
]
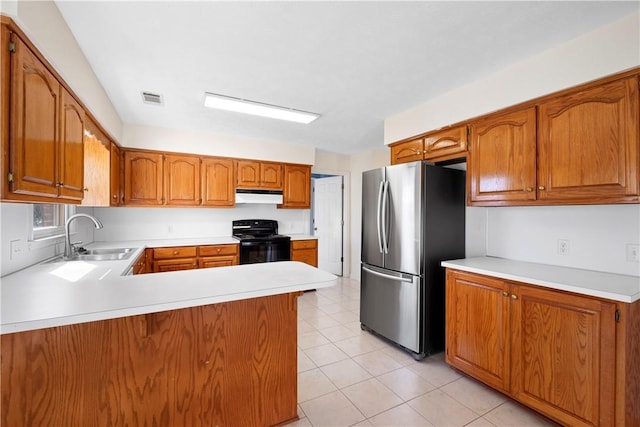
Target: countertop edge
[
  {"x": 9, "y": 328},
  {"x": 540, "y": 276}
]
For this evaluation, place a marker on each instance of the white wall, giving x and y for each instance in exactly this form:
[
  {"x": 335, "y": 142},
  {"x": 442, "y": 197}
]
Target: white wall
[
  {"x": 598, "y": 234},
  {"x": 605, "y": 51},
  {"x": 359, "y": 163},
  {"x": 216, "y": 145},
  {"x": 15, "y": 226},
  {"x": 171, "y": 223}
]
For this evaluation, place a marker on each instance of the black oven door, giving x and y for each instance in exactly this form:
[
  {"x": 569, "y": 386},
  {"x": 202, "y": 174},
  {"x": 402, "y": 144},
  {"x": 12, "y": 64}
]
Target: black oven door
[{"x": 252, "y": 252}]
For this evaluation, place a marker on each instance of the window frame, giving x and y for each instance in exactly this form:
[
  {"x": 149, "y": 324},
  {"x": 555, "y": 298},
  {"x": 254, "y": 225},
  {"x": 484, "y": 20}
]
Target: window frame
[{"x": 50, "y": 232}]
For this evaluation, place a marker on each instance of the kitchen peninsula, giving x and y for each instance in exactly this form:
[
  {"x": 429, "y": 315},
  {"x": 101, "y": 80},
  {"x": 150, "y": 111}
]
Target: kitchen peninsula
[{"x": 84, "y": 345}]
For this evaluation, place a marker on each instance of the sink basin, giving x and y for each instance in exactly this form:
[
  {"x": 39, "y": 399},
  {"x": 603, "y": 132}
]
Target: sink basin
[
  {"x": 103, "y": 254},
  {"x": 114, "y": 254}
]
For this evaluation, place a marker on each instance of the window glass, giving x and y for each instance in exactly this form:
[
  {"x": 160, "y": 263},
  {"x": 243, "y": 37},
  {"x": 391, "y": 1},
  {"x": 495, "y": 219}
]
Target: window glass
[{"x": 48, "y": 220}]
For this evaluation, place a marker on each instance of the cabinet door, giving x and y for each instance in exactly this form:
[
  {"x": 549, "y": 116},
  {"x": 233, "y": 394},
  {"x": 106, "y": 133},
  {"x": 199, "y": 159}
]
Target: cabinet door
[
  {"x": 271, "y": 175},
  {"x": 248, "y": 174},
  {"x": 143, "y": 178},
  {"x": 97, "y": 168},
  {"x": 218, "y": 177},
  {"x": 115, "y": 164},
  {"x": 477, "y": 327},
  {"x": 35, "y": 113},
  {"x": 588, "y": 144},
  {"x": 563, "y": 355},
  {"x": 297, "y": 187},
  {"x": 71, "y": 167},
  {"x": 502, "y": 158},
  {"x": 182, "y": 180},
  {"x": 446, "y": 144},
  {"x": 408, "y": 151}
]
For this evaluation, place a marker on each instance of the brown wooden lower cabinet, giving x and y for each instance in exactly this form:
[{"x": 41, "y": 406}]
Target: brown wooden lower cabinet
[
  {"x": 218, "y": 256},
  {"x": 562, "y": 354},
  {"x": 305, "y": 251},
  {"x": 227, "y": 364}
]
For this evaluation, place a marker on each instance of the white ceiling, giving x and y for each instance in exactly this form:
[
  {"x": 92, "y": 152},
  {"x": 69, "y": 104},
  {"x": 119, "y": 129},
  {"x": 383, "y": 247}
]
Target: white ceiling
[{"x": 354, "y": 63}]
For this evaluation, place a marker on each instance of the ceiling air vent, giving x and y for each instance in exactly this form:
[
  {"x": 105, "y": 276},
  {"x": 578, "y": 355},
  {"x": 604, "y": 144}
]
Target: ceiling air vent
[{"x": 152, "y": 98}]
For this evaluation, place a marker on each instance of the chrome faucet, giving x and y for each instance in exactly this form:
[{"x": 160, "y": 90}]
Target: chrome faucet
[{"x": 68, "y": 247}]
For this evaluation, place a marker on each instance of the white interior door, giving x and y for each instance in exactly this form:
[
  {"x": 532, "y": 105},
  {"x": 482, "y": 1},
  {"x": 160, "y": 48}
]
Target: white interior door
[{"x": 328, "y": 222}]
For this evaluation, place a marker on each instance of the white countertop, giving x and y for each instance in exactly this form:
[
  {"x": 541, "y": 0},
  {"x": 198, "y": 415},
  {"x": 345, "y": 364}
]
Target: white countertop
[
  {"x": 62, "y": 293},
  {"x": 617, "y": 287}
]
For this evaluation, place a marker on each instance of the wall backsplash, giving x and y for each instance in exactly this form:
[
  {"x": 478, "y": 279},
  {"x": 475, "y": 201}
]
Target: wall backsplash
[
  {"x": 168, "y": 223},
  {"x": 597, "y": 235}
]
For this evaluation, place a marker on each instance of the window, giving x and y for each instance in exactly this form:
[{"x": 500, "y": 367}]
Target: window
[{"x": 48, "y": 220}]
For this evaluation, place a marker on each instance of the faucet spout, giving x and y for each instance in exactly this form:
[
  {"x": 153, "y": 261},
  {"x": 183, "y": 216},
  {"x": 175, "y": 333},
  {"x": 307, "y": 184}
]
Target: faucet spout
[{"x": 68, "y": 249}]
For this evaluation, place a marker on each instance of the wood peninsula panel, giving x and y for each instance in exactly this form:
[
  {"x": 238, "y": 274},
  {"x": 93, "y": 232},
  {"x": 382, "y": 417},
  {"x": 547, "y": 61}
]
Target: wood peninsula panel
[{"x": 228, "y": 364}]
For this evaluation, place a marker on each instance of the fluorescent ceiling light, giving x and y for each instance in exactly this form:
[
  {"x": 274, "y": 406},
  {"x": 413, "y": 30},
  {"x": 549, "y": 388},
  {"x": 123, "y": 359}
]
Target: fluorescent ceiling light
[{"x": 238, "y": 105}]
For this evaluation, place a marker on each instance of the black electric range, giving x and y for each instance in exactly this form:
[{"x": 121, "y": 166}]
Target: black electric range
[{"x": 260, "y": 241}]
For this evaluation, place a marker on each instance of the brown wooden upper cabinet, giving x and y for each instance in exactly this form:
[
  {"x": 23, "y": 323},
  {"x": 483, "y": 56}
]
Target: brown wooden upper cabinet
[
  {"x": 218, "y": 182},
  {"x": 115, "y": 176},
  {"x": 588, "y": 145},
  {"x": 97, "y": 167},
  {"x": 583, "y": 149},
  {"x": 502, "y": 162},
  {"x": 45, "y": 152},
  {"x": 297, "y": 186},
  {"x": 258, "y": 174},
  {"x": 182, "y": 180},
  {"x": 143, "y": 178},
  {"x": 440, "y": 145}
]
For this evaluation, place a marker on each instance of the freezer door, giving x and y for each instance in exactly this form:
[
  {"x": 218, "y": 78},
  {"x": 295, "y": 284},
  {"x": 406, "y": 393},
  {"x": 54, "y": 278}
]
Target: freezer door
[
  {"x": 372, "y": 184},
  {"x": 403, "y": 217},
  {"x": 390, "y": 305}
]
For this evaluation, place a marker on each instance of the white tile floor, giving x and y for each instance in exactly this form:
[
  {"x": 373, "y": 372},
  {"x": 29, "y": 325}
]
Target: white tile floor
[{"x": 347, "y": 377}]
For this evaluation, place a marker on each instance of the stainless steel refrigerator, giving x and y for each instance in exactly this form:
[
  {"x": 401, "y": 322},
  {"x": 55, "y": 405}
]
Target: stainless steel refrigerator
[{"x": 413, "y": 217}]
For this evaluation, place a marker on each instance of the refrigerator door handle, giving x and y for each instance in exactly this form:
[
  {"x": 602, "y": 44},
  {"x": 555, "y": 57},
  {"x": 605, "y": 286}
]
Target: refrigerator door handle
[
  {"x": 379, "y": 213},
  {"x": 388, "y": 276},
  {"x": 385, "y": 201}
]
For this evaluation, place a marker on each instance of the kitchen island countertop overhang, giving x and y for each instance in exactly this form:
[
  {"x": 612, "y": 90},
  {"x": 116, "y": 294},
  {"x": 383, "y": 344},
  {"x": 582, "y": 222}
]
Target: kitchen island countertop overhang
[{"x": 63, "y": 293}]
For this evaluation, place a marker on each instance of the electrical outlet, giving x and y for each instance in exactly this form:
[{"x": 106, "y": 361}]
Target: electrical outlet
[
  {"x": 563, "y": 246},
  {"x": 17, "y": 249},
  {"x": 633, "y": 252}
]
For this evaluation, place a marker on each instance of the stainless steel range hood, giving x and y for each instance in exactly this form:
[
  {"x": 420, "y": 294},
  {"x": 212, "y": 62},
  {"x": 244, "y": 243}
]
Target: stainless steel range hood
[{"x": 248, "y": 195}]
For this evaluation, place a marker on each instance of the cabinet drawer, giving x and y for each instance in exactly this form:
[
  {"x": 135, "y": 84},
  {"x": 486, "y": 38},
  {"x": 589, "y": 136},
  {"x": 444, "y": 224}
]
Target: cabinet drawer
[
  {"x": 304, "y": 244},
  {"x": 308, "y": 256},
  {"x": 175, "y": 252},
  {"x": 217, "y": 261},
  {"x": 216, "y": 250},
  {"x": 165, "y": 265}
]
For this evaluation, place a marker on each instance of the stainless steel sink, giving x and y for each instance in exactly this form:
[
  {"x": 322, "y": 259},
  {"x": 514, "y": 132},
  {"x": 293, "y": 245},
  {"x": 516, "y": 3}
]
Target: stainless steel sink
[
  {"x": 113, "y": 254},
  {"x": 103, "y": 254}
]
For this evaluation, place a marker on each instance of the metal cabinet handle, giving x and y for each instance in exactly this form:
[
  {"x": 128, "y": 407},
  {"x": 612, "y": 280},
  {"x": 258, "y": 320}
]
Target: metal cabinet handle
[
  {"x": 541, "y": 188},
  {"x": 514, "y": 296},
  {"x": 529, "y": 189},
  {"x": 505, "y": 293}
]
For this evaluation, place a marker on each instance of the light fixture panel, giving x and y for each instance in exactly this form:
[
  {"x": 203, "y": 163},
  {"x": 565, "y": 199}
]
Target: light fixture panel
[{"x": 228, "y": 103}]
